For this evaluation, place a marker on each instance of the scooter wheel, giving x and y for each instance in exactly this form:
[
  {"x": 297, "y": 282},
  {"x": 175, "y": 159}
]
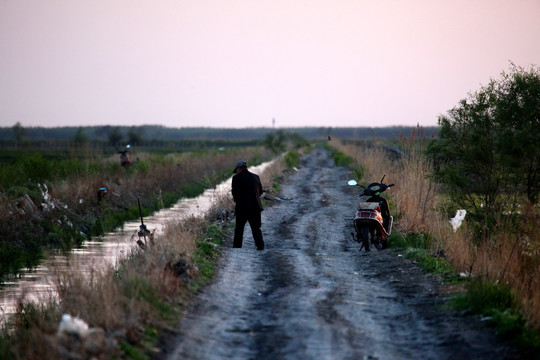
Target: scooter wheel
[{"x": 365, "y": 238}]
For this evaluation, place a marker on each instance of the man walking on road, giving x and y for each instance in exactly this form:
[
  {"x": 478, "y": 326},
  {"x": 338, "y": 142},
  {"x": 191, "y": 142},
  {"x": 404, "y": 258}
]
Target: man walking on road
[{"x": 246, "y": 191}]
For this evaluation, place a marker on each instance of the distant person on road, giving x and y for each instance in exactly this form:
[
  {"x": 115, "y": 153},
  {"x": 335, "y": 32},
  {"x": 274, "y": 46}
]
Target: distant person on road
[{"x": 246, "y": 192}]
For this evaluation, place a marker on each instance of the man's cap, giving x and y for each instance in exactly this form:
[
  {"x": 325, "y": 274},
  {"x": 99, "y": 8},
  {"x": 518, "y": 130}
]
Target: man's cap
[{"x": 241, "y": 163}]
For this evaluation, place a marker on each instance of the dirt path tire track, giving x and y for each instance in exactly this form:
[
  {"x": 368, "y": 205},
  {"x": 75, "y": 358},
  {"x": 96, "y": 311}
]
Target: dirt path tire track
[{"x": 312, "y": 295}]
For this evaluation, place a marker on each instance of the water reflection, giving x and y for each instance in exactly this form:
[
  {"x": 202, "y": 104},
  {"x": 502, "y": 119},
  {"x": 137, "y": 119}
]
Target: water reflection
[{"x": 95, "y": 255}]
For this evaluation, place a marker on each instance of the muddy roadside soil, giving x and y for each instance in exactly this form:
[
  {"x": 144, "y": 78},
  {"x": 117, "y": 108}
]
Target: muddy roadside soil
[{"x": 311, "y": 294}]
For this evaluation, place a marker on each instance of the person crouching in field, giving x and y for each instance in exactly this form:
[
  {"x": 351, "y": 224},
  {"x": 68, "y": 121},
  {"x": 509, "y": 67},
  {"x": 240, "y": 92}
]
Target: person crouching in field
[{"x": 246, "y": 192}]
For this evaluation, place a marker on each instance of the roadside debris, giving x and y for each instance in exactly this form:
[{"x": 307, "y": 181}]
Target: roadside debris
[
  {"x": 458, "y": 219},
  {"x": 269, "y": 197}
]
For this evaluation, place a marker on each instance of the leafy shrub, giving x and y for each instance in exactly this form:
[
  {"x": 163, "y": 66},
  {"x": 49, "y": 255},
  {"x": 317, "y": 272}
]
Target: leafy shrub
[
  {"x": 488, "y": 147},
  {"x": 292, "y": 159}
]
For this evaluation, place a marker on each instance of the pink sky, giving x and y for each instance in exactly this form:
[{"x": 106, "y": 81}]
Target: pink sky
[{"x": 241, "y": 63}]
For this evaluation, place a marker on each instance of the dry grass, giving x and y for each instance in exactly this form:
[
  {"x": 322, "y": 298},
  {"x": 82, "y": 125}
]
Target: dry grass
[
  {"x": 154, "y": 180},
  {"x": 166, "y": 173},
  {"x": 514, "y": 258},
  {"x": 273, "y": 171},
  {"x": 143, "y": 291},
  {"x": 413, "y": 195}
]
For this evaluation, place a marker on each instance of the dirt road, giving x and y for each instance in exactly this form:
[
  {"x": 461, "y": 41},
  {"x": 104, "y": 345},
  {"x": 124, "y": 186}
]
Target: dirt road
[{"x": 313, "y": 295}]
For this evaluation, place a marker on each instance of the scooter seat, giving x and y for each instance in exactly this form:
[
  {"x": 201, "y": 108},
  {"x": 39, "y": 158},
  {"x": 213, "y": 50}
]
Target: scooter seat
[{"x": 367, "y": 206}]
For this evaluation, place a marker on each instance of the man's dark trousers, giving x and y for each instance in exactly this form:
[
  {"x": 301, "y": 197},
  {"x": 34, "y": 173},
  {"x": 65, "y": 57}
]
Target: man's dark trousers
[{"x": 254, "y": 219}]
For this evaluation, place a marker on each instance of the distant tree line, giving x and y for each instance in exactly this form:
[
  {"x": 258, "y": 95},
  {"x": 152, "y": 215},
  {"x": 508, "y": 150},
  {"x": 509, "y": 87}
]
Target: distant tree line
[{"x": 137, "y": 134}]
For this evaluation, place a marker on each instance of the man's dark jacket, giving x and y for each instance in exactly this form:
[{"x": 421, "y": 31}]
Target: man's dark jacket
[{"x": 246, "y": 191}]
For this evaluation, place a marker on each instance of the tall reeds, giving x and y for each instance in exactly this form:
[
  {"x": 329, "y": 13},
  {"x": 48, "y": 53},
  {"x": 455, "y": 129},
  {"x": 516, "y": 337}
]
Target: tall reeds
[
  {"x": 420, "y": 206},
  {"x": 127, "y": 306},
  {"x": 73, "y": 213}
]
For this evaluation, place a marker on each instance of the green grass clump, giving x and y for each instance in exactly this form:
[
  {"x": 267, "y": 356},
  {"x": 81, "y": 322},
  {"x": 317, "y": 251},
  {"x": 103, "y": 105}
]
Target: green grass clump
[
  {"x": 191, "y": 189},
  {"x": 484, "y": 297},
  {"x": 417, "y": 247},
  {"x": 431, "y": 263},
  {"x": 292, "y": 159},
  {"x": 341, "y": 159},
  {"x": 168, "y": 199},
  {"x": 496, "y": 302},
  {"x": 131, "y": 352},
  {"x": 216, "y": 233},
  {"x": 207, "y": 252},
  {"x": 359, "y": 172},
  {"x": 204, "y": 256},
  {"x": 400, "y": 241},
  {"x": 276, "y": 186}
]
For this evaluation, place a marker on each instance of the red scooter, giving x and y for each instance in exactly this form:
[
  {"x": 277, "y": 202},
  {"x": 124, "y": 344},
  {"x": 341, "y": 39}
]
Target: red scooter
[{"x": 372, "y": 220}]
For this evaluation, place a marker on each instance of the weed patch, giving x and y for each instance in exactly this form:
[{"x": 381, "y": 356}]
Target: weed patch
[
  {"x": 400, "y": 240},
  {"x": 417, "y": 247},
  {"x": 497, "y": 304},
  {"x": 292, "y": 159},
  {"x": 207, "y": 252},
  {"x": 432, "y": 263},
  {"x": 340, "y": 158},
  {"x": 132, "y": 352}
]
